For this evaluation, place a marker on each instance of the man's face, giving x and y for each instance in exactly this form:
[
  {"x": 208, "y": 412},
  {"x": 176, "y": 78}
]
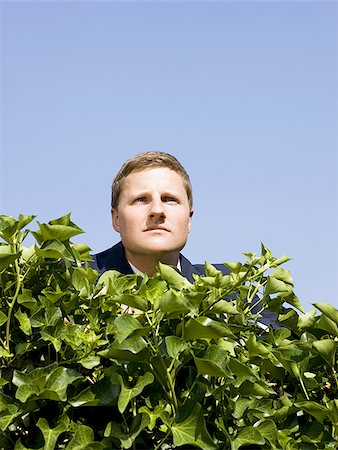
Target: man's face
[{"x": 153, "y": 216}]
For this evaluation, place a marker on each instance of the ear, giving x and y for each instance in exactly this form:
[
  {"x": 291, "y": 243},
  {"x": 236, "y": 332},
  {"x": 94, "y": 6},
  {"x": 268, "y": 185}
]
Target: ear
[
  {"x": 190, "y": 220},
  {"x": 115, "y": 219}
]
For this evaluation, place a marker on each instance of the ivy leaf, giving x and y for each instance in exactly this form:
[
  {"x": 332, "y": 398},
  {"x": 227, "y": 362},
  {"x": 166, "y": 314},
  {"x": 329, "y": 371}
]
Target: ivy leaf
[
  {"x": 59, "y": 230},
  {"x": 213, "y": 363},
  {"x": 279, "y": 281},
  {"x": 324, "y": 323},
  {"x": 125, "y": 326},
  {"x": 247, "y": 436},
  {"x": 256, "y": 348},
  {"x": 175, "y": 346},
  {"x": 7, "y": 256},
  {"x": 133, "y": 301},
  {"x": 53, "y": 249},
  {"x": 314, "y": 409},
  {"x": 23, "y": 319},
  {"x": 46, "y": 382},
  {"x": 3, "y": 318},
  {"x": 127, "y": 394},
  {"x": 327, "y": 349},
  {"x": 172, "y": 276},
  {"x": 206, "y": 328},
  {"x": 173, "y": 302},
  {"x": 330, "y": 311},
  {"x": 51, "y": 435},
  {"x": 307, "y": 320},
  {"x": 192, "y": 431},
  {"x": 83, "y": 438}
]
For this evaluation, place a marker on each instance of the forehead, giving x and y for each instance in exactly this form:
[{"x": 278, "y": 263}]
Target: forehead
[{"x": 161, "y": 178}]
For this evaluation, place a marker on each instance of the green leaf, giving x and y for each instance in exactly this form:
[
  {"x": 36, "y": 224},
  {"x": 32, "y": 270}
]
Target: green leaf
[
  {"x": 307, "y": 320},
  {"x": 330, "y": 311},
  {"x": 192, "y": 431},
  {"x": 7, "y": 257},
  {"x": 205, "y": 328},
  {"x": 256, "y": 348},
  {"x": 26, "y": 299},
  {"x": 58, "y": 232},
  {"x": 90, "y": 361},
  {"x": 23, "y": 319},
  {"x": 244, "y": 372},
  {"x": 173, "y": 302},
  {"x": 172, "y": 276},
  {"x": 293, "y": 300},
  {"x": 175, "y": 346},
  {"x": 213, "y": 363},
  {"x": 324, "y": 323},
  {"x": 83, "y": 438},
  {"x": 125, "y": 326},
  {"x": 279, "y": 281},
  {"x": 46, "y": 382},
  {"x": 54, "y": 250},
  {"x": 225, "y": 307},
  {"x": 127, "y": 394},
  {"x": 240, "y": 406},
  {"x": 84, "y": 251},
  {"x": 327, "y": 349},
  {"x": 247, "y": 436},
  {"x": 3, "y": 318},
  {"x": 133, "y": 301},
  {"x": 133, "y": 348},
  {"x": 211, "y": 271},
  {"x": 314, "y": 409},
  {"x": 51, "y": 435},
  {"x": 268, "y": 430}
]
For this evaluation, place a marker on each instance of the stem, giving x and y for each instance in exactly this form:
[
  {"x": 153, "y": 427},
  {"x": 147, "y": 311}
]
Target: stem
[
  {"x": 335, "y": 376},
  {"x": 169, "y": 378},
  {"x": 172, "y": 389},
  {"x": 11, "y": 305},
  {"x": 162, "y": 441},
  {"x": 304, "y": 389}
]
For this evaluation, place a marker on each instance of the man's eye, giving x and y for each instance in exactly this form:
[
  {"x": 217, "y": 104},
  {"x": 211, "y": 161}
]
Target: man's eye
[
  {"x": 170, "y": 200},
  {"x": 140, "y": 200}
]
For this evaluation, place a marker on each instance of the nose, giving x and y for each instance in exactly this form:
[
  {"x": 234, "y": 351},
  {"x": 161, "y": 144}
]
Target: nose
[{"x": 156, "y": 208}]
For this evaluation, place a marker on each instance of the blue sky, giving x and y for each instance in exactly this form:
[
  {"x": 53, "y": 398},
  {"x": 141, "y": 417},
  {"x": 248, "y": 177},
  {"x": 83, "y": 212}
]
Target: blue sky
[{"x": 245, "y": 94}]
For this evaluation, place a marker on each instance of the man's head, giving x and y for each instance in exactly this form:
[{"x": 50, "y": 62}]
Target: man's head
[
  {"x": 152, "y": 209},
  {"x": 144, "y": 161}
]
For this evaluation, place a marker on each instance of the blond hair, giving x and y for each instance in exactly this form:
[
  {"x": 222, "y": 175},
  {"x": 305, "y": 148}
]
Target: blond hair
[{"x": 147, "y": 160}]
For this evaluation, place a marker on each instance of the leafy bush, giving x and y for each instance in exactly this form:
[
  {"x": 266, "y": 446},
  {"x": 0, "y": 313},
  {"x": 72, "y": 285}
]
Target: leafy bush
[{"x": 126, "y": 361}]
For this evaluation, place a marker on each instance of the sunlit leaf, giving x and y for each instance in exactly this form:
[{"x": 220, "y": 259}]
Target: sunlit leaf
[
  {"x": 192, "y": 431},
  {"x": 330, "y": 311},
  {"x": 172, "y": 276},
  {"x": 314, "y": 409},
  {"x": 205, "y": 328},
  {"x": 247, "y": 436},
  {"x": 7, "y": 256},
  {"x": 51, "y": 435},
  {"x": 327, "y": 349},
  {"x": 127, "y": 394}
]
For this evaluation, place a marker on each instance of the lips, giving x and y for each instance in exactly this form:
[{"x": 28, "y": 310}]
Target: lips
[{"x": 157, "y": 228}]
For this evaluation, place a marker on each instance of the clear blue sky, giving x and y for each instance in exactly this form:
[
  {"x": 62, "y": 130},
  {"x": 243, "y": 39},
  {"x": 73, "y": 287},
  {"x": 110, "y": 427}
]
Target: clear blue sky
[{"x": 245, "y": 94}]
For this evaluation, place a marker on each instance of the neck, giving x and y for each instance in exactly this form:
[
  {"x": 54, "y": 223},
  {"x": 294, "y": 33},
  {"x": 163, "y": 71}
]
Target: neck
[{"x": 148, "y": 263}]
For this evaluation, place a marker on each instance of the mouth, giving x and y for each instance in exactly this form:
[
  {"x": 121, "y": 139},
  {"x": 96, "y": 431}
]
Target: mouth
[{"x": 157, "y": 228}]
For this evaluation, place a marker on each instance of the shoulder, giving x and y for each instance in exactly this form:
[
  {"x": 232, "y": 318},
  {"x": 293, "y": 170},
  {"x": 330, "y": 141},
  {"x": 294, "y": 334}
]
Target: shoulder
[
  {"x": 188, "y": 269},
  {"x": 200, "y": 268},
  {"x": 112, "y": 258}
]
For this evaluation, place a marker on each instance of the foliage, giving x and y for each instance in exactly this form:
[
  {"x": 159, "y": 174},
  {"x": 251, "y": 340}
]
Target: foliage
[{"x": 124, "y": 361}]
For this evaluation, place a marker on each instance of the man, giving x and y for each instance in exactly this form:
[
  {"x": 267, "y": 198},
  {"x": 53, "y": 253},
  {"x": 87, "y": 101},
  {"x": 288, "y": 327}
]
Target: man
[{"x": 152, "y": 209}]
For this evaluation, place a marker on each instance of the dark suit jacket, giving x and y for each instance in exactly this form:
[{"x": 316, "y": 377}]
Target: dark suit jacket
[{"x": 114, "y": 258}]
